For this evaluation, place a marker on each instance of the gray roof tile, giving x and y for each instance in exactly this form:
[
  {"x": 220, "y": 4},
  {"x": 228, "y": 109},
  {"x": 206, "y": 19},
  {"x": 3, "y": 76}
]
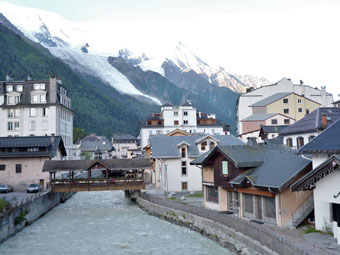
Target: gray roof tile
[
  {"x": 260, "y": 116},
  {"x": 271, "y": 99}
]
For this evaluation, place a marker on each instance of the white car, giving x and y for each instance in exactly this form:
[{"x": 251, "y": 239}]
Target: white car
[{"x": 34, "y": 187}]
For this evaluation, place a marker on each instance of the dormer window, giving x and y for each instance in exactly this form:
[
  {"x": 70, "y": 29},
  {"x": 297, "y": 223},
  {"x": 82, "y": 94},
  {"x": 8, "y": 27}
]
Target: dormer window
[
  {"x": 10, "y": 100},
  {"x": 39, "y": 86},
  {"x": 43, "y": 98},
  {"x": 16, "y": 99},
  {"x": 212, "y": 145},
  {"x": 19, "y": 88},
  {"x": 204, "y": 146},
  {"x": 35, "y": 99},
  {"x": 9, "y": 88},
  {"x": 183, "y": 152}
]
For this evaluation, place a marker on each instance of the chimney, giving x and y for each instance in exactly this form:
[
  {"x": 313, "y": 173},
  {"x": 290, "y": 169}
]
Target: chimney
[
  {"x": 9, "y": 77},
  {"x": 29, "y": 77},
  {"x": 323, "y": 121},
  {"x": 252, "y": 141},
  {"x": 52, "y": 139},
  {"x": 323, "y": 96},
  {"x": 301, "y": 82},
  {"x": 53, "y": 89}
]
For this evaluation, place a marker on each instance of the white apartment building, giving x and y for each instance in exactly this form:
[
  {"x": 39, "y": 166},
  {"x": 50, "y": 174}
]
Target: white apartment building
[
  {"x": 184, "y": 117},
  {"x": 245, "y": 101},
  {"x": 36, "y": 108}
]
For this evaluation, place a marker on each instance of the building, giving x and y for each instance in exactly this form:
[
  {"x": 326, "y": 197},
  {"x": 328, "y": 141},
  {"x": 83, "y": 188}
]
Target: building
[
  {"x": 304, "y": 130},
  {"x": 172, "y": 156},
  {"x": 253, "y": 180},
  {"x": 270, "y": 132},
  {"x": 184, "y": 117},
  {"x": 324, "y": 179},
  {"x": 293, "y": 100},
  {"x": 22, "y": 159},
  {"x": 125, "y": 146},
  {"x": 91, "y": 143},
  {"x": 36, "y": 108}
]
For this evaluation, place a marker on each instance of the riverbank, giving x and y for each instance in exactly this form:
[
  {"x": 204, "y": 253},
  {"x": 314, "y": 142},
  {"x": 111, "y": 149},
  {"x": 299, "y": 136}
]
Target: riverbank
[
  {"x": 228, "y": 230},
  {"x": 17, "y": 217}
]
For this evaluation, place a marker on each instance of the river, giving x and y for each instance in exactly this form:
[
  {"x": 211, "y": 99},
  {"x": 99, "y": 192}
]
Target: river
[{"x": 106, "y": 223}]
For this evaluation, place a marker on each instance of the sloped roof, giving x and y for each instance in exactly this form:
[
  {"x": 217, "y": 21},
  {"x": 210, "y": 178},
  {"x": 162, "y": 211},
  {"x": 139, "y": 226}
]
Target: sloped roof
[
  {"x": 167, "y": 146},
  {"x": 280, "y": 166},
  {"x": 123, "y": 137},
  {"x": 312, "y": 122},
  {"x": 22, "y": 142},
  {"x": 327, "y": 142},
  {"x": 260, "y": 116},
  {"x": 271, "y": 99},
  {"x": 276, "y": 140},
  {"x": 273, "y": 129}
]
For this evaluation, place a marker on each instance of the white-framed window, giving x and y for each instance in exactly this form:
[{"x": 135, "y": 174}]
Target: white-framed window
[
  {"x": 10, "y": 113},
  {"x": 175, "y": 113},
  {"x": 43, "y": 98},
  {"x": 32, "y": 125},
  {"x": 185, "y": 122},
  {"x": 10, "y": 100},
  {"x": 36, "y": 86},
  {"x": 33, "y": 112},
  {"x": 9, "y": 88},
  {"x": 185, "y": 113},
  {"x": 225, "y": 168},
  {"x": 16, "y": 125},
  {"x": 42, "y": 86},
  {"x": 16, "y": 99},
  {"x": 44, "y": 125},
  {"x": 184, "y": 185},
  {"x": 19, "y": 88},
  {"x": 45, "y": 111},
  {"x": 17, "y": 113},
  {"x": 299, "y": 101},
  {"x": 9, "y": 126},
  {"x": 184, "y": 168}
]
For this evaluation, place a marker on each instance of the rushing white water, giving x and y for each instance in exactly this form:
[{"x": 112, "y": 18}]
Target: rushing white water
[{"x": 106, "y": 223}]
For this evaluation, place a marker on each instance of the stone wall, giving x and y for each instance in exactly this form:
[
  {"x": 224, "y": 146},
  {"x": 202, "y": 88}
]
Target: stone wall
[{"x": 14, "y": 220}]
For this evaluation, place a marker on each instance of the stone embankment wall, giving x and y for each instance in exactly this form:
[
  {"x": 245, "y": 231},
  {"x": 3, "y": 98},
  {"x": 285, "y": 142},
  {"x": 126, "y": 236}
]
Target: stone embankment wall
[
  {"x": 15, "y": 219},
  {"x": 231, "y": 232}
]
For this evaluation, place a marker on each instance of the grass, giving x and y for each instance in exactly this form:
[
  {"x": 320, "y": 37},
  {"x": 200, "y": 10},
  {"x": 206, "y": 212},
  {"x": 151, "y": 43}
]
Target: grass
[
  {"x": 196, "y": 195},
  {"x": 3, "y": 204},
  {"x": 173, "y": 198},
  {"x": 313, "y": 230}
]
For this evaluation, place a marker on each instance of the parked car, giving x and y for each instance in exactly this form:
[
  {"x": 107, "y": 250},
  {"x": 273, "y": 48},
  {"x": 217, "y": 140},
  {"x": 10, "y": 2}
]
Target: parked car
[
  {"x": 5, "y": 188},
  {"x": 34, "y": 188}
]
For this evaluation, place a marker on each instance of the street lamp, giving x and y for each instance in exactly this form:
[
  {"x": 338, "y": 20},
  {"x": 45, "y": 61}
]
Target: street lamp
[{"x": 98, "y": 154}]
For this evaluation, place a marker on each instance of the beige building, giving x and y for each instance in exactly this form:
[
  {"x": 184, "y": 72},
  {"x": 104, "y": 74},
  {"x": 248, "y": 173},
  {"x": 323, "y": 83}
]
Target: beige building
[{"x": 22, "y": 159}]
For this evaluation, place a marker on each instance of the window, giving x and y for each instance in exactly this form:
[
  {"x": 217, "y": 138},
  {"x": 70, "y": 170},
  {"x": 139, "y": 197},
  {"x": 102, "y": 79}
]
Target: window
[
  {"x": 32, "y": 125},
  {"x": 204, "y": 146},
  {"x": 43, "y": 98},
  {"x": 184, "y": 186},
  {"x": 289, "y": 142},
  {"x": 212, "y": 145},
  {"x": 159, "y": 123},
  {"x": 17, "y": 99},
  {"x": 10, "y": 100},
  {"x": 211, "y": 194},
  {"x": 248, "y": 203},
  {"x": 299, "y": 101},
  {"x": 16, "y": 125},
  {"x": 225, "y": 168},
  {"x": 185, "y": 122},
  {"x": 299, "y": 109},
  {"x": 19, "y": 88},
  {"x": 10, "y": 126},
  {"x": 42, "y": 86},
  {"x": 285, "y": 100},
  {"x": 45, "y": 111},
  {"x": 310, "y": 138},
  {"x": 10, "y": 113},
  {"x": 35, "y": 99},
  {"x": 176, "y": 122},
  {"x": 18, "y": 168},
  {"x": 270, "y": 208},
  {"x": 286, "y": 111},
  {"x": 184, "y": 168},
  {"x": 307, "y": 111},
  {"x": 38, "y": 86},
  {"x": 175, "y": 113},
  {"x": 286, "y": 121},
  {"x": 183, "y": 152},
  {"x": 9, "y": 88},
  {"x": 185, "y": 113},
  {"x": 274, "y": 121},
  {"x": 149, "y": 123},
  {"x": 299, "y": 142},
  {"x": 2, "y": 167},
  {"x": 33, "y": 112}
]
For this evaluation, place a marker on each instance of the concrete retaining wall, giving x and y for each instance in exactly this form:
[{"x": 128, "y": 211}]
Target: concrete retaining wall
[
  {"x": 227, "y": 237},
  {"x": 14, "y": 220}
]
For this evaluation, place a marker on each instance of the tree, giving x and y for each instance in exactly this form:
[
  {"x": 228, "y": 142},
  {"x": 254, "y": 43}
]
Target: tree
[{"x": 78, "y": 133}]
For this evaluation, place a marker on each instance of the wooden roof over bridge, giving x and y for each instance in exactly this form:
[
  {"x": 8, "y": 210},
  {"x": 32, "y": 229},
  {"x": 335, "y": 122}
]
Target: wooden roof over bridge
[{"x": 110, "y": 164}]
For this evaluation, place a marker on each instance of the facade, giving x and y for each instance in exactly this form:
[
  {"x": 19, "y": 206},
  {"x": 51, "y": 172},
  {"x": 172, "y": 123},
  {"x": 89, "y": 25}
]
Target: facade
[
  {"x": 304, "y": 130},
  {"x": 184, "y": 117},
  {"x": 324, "y": 179},
  {"x": 125, "y": 146},
  {"x": 36, "y": 108},
  {"x": 300, "y": 91},
  {"x": 172, "y": 156},
  {"x": 252, "y": 181},
  {"x": 270, "y": 132},
  {"x": 91, "y": 143},
  {"x": 22, "y": 159}
]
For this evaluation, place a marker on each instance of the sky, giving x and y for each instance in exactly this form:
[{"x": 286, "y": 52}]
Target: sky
[{"x": 272, "y": 39}]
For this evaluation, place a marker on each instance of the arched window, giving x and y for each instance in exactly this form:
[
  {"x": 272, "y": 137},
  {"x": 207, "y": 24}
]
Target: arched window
[
  {"x": 310, "y": 138},
  {"x": 289, "y": 142},
  {"x": 299, "y": 142}
]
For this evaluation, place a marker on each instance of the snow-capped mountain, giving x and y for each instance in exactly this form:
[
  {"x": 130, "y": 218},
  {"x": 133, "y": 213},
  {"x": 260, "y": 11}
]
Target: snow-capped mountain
[{"x": 186, "y": 61}]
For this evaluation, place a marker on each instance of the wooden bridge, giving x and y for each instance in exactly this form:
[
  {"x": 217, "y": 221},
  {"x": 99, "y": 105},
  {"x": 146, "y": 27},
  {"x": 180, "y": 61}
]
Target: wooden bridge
[{"x": 96, "y": 175}]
